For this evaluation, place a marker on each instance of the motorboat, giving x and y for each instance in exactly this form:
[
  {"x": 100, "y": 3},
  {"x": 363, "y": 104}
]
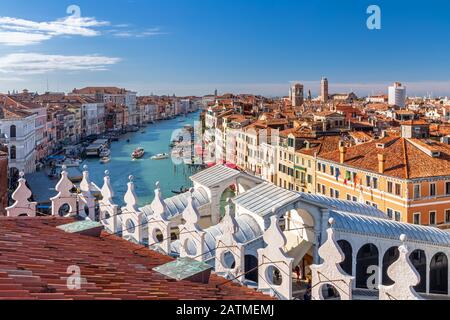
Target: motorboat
[
  {"x": 160, "y": 156},
  {"x": 105, "y": 160},
  {"x": 138, "y": 153},
  {"x": 104, "y": 153}
]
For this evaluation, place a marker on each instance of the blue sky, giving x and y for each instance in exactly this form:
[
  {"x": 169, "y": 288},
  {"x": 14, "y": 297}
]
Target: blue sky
[{"x": 246, "y": 46}]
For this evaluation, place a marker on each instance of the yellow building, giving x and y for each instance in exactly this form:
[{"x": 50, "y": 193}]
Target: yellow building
[
  {"x": 407, "y": 178},
  {"x": 297, "y": 153}
]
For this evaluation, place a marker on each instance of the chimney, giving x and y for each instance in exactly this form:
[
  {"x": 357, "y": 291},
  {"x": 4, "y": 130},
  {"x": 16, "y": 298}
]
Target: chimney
[
  {"x": 342, "y": 152},
  {"x": 381, "y": 163}
]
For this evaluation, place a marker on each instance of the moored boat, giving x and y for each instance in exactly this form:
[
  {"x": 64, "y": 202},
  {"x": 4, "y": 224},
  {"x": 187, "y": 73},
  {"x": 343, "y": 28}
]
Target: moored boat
[{"x": 160, "y": 156}]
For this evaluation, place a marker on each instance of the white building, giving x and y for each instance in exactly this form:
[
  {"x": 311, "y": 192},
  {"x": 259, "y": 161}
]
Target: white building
[
  {"x": 18, "y": 126},
  {"x": 397, "y": 95},
  {"x": 93, "y": 118},
  {"x": 113, "y": 95}
]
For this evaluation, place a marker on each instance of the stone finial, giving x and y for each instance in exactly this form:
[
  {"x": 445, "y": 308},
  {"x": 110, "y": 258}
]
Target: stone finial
[
  {"x": 22, "y": 206},
  {"x": 227, "y": 243},
  {"x": 404, "y": 275},
  {"x": 330, "y": 272},
  {"x": 64, "y": 186},
  {"x": 229, "y": 224},
  {"x": 107, "y": 191},
  {"x": 403, "y": 238},
  {"x": 274, "y": 256},
  {"x": 85, "y": 185},
  {"x": 191, "y": 214},
  {"x": 274, "y": 236},
  {"x": 331, "y": 222},
  {"x": 158, "y": 205},
  {"x": 130, "y": 198}
]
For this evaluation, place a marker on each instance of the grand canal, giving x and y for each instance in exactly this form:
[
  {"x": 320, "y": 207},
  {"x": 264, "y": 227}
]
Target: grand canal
[{"x": 146, "y": 172}]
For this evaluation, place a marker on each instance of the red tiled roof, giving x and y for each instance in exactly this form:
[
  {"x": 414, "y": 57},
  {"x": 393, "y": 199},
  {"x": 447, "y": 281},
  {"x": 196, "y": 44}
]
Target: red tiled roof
[
  {"x": 403, "y": 159},
  {"x": 35, "y": 255}
]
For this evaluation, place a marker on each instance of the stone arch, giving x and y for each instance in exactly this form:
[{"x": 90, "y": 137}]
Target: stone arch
[
  {"x": 228, "y": 260},
  {"x": 272, "y": 258},
  {"x": 251, "y": 268},
  {"x": 65, "y": 210},
  {"x": 366, "y": 258},
  {"x": 347, "y": 264},
  {"x": 175, "y": 233},
  {"x": 190, "y": 247},
  {"x": 390, "y": 256},
  {"x": 419, "y": 261},
  {"x": 329, "y": 292},
  {"x": 156, "y": 236},
  {"x": 439, "y": 274},
  {"x": 229, "y": 192}
]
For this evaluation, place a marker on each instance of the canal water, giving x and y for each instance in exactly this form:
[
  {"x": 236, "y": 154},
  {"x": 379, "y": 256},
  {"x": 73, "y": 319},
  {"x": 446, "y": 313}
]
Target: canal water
[{"x": 146, "y": 172}]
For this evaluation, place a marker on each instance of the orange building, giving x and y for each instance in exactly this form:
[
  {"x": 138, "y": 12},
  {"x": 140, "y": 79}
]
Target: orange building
[{"x": 406, "y": 177}]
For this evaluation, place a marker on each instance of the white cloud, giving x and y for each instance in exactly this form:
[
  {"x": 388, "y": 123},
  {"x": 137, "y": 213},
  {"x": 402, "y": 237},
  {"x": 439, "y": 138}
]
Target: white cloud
[
  {"x": 22, "y": 38},
  {"x": 35, "y": 63},
  {"x": 21, "y": 32},
  {"x": 138, "y": 33}
]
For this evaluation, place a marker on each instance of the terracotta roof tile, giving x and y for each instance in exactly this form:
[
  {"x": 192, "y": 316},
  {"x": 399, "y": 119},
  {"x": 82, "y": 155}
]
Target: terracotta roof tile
[{"x": 35, "y": 255}]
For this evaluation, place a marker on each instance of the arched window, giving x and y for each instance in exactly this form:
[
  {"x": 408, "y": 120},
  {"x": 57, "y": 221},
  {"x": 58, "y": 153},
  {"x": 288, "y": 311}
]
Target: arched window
[
  {"x": 439, "y": 274},
  {"x": 346, "y": 248},
  {"x": 13, "y": 131},
  {"x": 13, "y": 153},
  {"x": 366, "y": 266},
  {"x": 419, "y": 261},
  {"x": 389, "y": 258}
]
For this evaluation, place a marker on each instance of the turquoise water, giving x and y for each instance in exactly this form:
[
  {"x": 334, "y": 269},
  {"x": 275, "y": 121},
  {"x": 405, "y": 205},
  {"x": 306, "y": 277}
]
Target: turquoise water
[{"x": 146, "y": 172}]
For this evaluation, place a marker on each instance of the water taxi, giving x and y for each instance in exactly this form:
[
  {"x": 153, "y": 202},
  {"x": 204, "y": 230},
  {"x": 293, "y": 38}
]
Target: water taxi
[{"x": 138, "y": 153}]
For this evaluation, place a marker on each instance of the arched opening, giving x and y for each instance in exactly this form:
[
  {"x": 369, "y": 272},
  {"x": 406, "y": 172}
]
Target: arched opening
[
  {"x": 390, "y": 256},
  {"x": 419, "y": 261},
  {"x": 366, "y": 267},
  {"x": 190, "y": 247},
  {"x": 228, "y": 193},
  {"x": 346, "y": 248},
  {"x": 157, "y": 236},
  {"x": 64, "y": 210},
  {"x": 13, "y": 153},
  {"x": 13, "y": 131},
  {"x": 130, "y": 226},
  {"x": 329, "y": 292},
  {"x": 274, "y": 276},
  {"x": 23, "y": 215},
  {"x": 175, "y": 234},
  {"x": 251, "y": 268},
  {"x": 228, "y": 260},
  {"x": 439, "y": 274}
]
